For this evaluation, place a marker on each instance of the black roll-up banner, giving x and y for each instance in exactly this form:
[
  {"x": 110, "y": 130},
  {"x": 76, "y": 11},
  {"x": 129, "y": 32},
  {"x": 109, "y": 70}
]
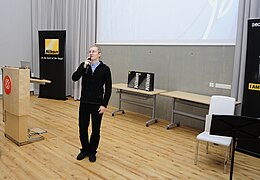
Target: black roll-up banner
[
  {"x": 251, "y": 95},
  {"x": 52, "y": 64}
]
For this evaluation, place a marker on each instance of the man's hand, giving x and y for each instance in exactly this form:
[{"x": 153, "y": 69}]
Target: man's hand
[
  {"x": 87, "y": 62},
  {"x": 102, "y": 109}
]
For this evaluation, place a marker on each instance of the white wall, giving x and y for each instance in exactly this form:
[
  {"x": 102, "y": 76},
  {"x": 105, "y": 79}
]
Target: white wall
[
  {"x": 15, "y": 32},
  {"x": 182, "y": 68}
]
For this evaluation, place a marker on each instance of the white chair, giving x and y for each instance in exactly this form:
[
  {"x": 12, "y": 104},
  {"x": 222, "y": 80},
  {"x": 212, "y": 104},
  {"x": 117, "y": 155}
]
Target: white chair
[{"x": 221, "y": 105}]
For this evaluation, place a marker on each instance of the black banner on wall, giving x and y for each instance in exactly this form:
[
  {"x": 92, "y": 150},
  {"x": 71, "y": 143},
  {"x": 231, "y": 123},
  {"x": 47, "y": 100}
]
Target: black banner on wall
[
  {"x": 251, "y": 95},
  {"x": 53, "y": 64}
]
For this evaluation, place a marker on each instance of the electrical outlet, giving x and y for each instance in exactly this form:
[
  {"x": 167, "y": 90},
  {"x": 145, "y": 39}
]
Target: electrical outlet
[{"x": 211, "y": 84}]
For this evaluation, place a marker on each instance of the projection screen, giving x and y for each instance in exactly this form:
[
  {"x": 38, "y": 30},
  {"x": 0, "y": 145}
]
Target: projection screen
[{"x": 159, "y": 22}]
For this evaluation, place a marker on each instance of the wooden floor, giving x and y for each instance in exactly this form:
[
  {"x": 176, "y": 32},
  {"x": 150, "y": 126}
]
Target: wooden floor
[{"x": 128, "y": 149}]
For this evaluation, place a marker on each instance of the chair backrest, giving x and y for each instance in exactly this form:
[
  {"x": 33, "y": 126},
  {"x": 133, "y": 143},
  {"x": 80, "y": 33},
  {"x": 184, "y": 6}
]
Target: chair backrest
[{"x": 221, "y": 105}]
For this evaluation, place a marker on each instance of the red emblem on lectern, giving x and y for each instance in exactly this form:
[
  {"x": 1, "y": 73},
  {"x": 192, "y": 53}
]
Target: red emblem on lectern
[{"x": 7, "y": 84}]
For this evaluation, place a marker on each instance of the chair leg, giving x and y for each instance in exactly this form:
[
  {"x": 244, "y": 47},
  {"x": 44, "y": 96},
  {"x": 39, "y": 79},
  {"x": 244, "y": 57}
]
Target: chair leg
[
  {"x": 207, "y": 147},
  {"x": 196, "y": 152},
  {"x": 226, "y": 159}
]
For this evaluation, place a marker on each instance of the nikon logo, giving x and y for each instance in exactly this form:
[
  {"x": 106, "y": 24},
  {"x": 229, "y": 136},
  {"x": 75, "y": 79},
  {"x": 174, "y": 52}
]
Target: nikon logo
[
  {"x": 147, "y": 83},
  {"x": 256, "y": 24},
  {"x": 136, "y": 83},
  {"x": 52, "y": 46},
  {"x": 49, "y": 51}
]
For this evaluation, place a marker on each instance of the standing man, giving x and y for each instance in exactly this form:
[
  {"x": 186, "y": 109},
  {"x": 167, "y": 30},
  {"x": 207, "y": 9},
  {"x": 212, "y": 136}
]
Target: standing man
[{"x": 93, "y": 101}]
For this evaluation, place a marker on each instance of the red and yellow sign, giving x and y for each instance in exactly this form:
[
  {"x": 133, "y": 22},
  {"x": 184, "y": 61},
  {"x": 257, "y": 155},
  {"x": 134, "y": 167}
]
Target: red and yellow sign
[{"x": 7, "y": 84}]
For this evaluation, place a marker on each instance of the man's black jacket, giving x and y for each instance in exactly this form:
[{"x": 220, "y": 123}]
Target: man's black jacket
[{"x": 93, "y": 84}]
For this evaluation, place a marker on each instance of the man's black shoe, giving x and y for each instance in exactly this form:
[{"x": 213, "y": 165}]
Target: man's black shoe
[
  {"x": 92, "y": 158},
  {"x": 81, "y": 155}
]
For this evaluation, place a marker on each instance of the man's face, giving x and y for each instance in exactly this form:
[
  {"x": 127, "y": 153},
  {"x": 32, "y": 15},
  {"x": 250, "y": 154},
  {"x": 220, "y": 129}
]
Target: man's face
[{"x": 93, "y": 53}]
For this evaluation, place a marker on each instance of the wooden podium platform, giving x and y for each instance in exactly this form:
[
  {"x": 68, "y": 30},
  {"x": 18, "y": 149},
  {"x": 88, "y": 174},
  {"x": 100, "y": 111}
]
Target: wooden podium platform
[{"x": 16, "y": 105}]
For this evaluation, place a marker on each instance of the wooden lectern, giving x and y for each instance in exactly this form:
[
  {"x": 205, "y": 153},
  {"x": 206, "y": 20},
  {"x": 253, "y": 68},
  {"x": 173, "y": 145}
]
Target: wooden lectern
[{"x": 16, "y": 102}]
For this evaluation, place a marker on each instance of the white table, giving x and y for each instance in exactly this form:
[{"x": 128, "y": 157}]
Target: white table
[
  {"x": 144, "y": 95},
  {"x": 185, "y": 96}
]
